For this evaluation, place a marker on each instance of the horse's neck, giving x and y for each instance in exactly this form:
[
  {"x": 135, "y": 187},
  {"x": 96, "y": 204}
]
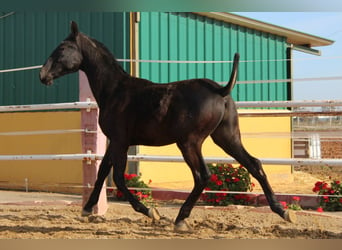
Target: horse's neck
[{"x": 102, "y": 73}]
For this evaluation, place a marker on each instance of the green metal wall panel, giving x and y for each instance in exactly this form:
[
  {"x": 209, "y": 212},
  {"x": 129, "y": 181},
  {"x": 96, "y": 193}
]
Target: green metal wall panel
[
  {"x": 186, "y": 36},
  {"x": 28, "y": 38}
]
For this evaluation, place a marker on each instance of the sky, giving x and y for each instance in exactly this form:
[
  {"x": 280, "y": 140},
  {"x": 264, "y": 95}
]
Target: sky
[{"x": 323, "y": 24}]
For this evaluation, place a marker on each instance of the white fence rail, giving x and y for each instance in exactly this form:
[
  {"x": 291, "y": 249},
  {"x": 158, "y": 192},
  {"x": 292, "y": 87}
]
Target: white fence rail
[
  {"x": 47, "y": 132},
  {"x": 240, "y": 104},
  {"x": 288, "y": 104},
  {"x": 155, "y": 158},
  {"x": 49, "y": 106}
]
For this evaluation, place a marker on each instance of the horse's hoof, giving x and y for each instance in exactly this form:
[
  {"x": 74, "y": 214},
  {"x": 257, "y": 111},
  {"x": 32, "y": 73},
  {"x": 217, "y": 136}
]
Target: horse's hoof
[
  {"x": 85, "y": 213},
  {"x": 153, "y": 213},
  {"x": 96, "y": 219},
  {"x": 183, "y": 227},
  {"x": 290, "y": 216}
]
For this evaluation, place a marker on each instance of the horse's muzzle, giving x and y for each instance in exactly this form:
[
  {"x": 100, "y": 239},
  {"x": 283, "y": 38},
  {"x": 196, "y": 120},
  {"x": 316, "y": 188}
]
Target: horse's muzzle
[{"x": 45, "y": 77}]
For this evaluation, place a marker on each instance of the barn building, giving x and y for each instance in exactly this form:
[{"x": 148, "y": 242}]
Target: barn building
[{"x": 28, "y": 38}]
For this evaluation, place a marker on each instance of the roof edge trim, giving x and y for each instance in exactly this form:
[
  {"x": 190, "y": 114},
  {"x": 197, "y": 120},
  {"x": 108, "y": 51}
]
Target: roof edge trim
[{"x": 292, "y": 36}]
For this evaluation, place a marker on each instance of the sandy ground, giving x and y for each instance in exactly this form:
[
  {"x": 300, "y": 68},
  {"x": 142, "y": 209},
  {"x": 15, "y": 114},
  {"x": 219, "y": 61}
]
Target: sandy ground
[{"x": 121, "y": 222}]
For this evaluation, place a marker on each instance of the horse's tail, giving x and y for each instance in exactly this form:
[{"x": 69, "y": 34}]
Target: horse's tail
[{"x": 228, "y": 88}]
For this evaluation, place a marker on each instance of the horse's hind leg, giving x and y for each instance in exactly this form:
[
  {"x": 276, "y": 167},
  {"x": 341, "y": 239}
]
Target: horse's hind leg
[{"x": 227, "y": 136}]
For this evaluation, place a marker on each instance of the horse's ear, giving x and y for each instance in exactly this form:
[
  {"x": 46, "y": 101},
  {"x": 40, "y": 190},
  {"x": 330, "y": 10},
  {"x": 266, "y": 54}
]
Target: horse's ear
[{"x": 74, "y": 28}]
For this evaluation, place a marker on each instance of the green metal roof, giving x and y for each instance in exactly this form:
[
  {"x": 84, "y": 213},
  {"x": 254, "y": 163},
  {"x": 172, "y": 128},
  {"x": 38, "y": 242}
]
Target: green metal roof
[{"x": 292, "y": 36}]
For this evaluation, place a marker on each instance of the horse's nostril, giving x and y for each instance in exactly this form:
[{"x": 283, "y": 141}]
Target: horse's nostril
[{"x": 43, "y": 76}]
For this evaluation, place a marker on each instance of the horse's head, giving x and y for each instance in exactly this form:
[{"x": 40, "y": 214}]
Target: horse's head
[{"x": 66, "y": 58}]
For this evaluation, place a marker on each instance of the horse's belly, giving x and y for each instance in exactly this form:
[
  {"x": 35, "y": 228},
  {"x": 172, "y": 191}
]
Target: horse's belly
[{"x": 154, "y": 137}]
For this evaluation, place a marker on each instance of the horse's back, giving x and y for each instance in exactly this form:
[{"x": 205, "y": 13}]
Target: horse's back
[{"x": 161, "y": 114}]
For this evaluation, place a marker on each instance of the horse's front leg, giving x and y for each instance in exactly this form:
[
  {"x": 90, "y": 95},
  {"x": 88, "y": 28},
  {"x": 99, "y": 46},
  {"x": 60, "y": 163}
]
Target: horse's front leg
[
  {"x": 119, "y": 160},
  {"x": 103, "y": 172},
  {"x": 193, "y": 157}
]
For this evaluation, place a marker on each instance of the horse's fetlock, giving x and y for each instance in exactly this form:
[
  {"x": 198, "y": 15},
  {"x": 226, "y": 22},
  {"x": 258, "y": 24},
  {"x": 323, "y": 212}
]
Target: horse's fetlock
[{"x": 86, "y": 213}]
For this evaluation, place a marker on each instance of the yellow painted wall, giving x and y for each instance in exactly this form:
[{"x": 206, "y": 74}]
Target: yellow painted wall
[
  {"x": 62, "y": 176},
  {"x": 263, "y": 137},
  {"x": 41, "y": 175}
]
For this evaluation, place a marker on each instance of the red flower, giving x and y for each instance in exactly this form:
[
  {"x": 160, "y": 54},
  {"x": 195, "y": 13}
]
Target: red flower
[
  {"x": 236, "y": 179},
  {"x": 283, "y": 203},
  {"x": 213, "y": 178},
  {"x": 219, "y": 182},
  {"x": 296, "y": 198},
  {"x": 130, "y": 176},
  {"x": 318, "y": 183},
  {"x": 337, "y": 182},
  {"x": 319, "y": 210}
]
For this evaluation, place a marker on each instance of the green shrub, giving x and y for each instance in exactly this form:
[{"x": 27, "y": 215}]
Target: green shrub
[{"x": 225, "y": 177}]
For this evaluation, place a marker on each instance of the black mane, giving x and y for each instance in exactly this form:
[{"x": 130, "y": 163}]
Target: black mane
[{"x": 88, "y": 42}]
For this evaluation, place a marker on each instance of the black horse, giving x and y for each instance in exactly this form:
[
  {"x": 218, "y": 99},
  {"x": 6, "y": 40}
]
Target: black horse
[{"x": 135, "y": 111}]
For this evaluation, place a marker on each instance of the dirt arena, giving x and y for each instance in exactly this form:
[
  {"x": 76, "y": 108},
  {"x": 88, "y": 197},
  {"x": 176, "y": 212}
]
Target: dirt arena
[
  {"x": 121, "y": 222},
  {"x": 58, "y": 217}
]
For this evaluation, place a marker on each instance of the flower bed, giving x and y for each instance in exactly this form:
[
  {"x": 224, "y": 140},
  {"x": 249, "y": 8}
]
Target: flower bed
[
  {"x": 331, "y": 199},
  {"x": 225, "y": 177},
  {"x": 137, "y": 187}
]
